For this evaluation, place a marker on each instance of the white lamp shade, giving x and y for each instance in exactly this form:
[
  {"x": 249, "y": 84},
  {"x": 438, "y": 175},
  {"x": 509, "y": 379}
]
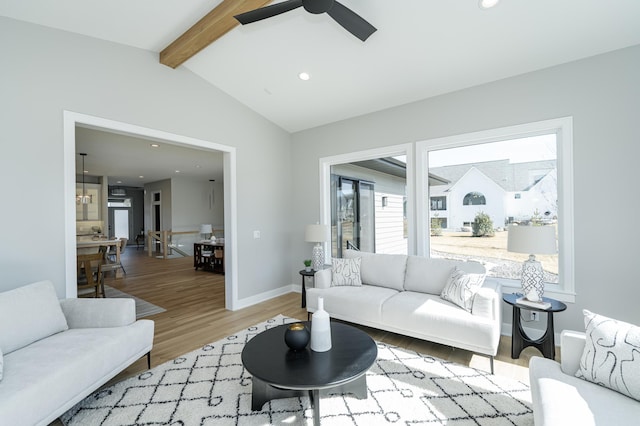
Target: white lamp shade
[
  {"x": 206, "y": 229},
  {"x": 316, "y": 233},
  {"x": 532, "y": 239}
]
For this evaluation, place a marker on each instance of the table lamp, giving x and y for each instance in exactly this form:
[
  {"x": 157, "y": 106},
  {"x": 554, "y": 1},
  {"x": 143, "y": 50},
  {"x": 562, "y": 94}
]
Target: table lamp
[
  {"x": 206, "y": 231},
  {"x": 317, "y": 234},
  {"x": 532, "y": 240}
]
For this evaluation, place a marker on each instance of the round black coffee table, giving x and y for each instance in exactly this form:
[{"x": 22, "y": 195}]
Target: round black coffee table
[{"x": 282, "y": 373}]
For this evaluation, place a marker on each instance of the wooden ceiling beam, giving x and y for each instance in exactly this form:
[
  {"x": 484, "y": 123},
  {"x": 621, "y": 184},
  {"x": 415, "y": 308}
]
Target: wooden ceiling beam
[{"x": 214, "y": 25}]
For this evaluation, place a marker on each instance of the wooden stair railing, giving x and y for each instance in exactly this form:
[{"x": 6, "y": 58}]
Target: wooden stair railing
[{"x": 164, "y": 238}]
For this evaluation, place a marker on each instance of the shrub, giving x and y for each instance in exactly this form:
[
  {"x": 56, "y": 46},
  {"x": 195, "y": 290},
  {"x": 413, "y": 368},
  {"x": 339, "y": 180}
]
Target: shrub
[
  {"x": 482, "y": 225},
  {"x": 436, "y": 226}
]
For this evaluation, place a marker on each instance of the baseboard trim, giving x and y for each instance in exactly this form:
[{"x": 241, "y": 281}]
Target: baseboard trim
[{"x": 267, "y": 295}]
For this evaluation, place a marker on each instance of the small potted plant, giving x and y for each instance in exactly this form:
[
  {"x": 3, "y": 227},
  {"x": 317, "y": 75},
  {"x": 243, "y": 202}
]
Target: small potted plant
[{"x": 307, "y": 265}]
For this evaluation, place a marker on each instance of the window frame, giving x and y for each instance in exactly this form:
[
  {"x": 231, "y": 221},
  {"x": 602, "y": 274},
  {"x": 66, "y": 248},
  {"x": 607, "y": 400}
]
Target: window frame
[
  {"x": 563, "y": 128},
  {"x": 324, "y": 169}
]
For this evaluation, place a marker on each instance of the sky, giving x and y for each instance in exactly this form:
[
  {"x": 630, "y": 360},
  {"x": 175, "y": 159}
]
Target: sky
[{"x": 522, "y": 150}]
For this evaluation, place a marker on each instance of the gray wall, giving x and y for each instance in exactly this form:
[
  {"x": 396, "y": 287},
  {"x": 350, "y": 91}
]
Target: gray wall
[
  {"x": 46, "y": 71},
  {"x": 603, "y": 96}
]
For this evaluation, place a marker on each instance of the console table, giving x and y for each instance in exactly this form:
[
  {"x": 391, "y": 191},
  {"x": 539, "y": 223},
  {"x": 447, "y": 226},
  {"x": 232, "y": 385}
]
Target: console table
[{"x": 209, "y": 256}]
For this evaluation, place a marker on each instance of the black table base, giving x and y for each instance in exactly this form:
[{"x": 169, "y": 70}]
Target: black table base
[
  {"x": 262, "y": 392},
  {"x": 520, "y": 340}
]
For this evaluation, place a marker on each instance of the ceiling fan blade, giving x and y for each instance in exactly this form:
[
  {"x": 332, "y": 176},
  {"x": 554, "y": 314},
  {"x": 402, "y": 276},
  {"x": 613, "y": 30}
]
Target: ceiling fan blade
[
  {"x": 267, "y": 11},
  {"x": 351, "y": 21}
]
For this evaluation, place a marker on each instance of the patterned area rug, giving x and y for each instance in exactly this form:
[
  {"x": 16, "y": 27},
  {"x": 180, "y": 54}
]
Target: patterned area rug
[
  {"x": 143, "y": 308},
  {"x": 209, "y": 386}
]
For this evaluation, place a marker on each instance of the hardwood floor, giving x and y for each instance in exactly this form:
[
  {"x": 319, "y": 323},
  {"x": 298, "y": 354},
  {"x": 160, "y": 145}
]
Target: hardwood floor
[{"x": 195, "y": 315}]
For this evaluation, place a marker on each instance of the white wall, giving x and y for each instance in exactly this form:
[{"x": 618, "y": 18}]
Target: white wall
[
  {"x": 46, "y": 71},
  {"x": 603, "y": 96},
  {"x": 191, "y": 207}
]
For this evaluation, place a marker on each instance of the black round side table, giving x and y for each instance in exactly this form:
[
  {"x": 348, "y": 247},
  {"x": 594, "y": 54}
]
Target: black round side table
[
  {"x": 519, "y": 339},
  {"x": 305, "y": 274}
]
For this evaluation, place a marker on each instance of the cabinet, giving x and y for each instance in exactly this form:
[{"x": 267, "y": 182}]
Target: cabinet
[{"x": 209, "y": 257}]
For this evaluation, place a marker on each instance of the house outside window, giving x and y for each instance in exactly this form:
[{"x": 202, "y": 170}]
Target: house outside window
[{"x": 521, "y": 174}]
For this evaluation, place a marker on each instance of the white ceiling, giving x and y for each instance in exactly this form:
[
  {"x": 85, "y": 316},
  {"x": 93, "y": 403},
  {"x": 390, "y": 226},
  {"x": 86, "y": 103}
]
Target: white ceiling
[
  {"x": 422, "y": 48},
  {"x": 131, "y": 161}
]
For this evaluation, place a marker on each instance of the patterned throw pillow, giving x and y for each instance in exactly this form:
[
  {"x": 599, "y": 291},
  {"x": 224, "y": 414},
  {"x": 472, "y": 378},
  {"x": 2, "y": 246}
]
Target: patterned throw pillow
[
  {"x": 611, "y": 356},
  {"x": 345, "y": 272},
  {"x": 461, "y": 287}
]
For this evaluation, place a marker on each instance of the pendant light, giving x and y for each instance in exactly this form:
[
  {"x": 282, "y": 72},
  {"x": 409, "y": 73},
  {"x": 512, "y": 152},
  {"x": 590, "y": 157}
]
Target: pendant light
[{"x": 83, "y": 198}]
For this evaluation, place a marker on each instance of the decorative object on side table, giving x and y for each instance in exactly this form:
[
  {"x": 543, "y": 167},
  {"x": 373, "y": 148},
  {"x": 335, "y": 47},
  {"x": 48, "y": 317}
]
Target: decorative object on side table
[
  {"x": 320, "y": 329},
  {"x": 307, "y": 265},
  {"x": 296, "y": 336},
  {"x": 318, "y": 234},
  {"x": 532, "y": 240}
]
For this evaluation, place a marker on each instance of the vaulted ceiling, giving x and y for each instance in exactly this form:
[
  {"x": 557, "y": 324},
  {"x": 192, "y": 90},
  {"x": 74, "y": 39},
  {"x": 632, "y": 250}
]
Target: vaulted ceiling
[{"x": 422, "y": 48}]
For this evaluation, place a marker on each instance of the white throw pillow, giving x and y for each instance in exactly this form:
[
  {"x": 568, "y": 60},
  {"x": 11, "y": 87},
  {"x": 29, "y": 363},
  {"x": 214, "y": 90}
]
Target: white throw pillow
[
  {"x": 28, "y": 314},
  {"x": 611, "y": 356},
  {"x": 345, "y": 272},
  {"x": 461, "y": 287}
]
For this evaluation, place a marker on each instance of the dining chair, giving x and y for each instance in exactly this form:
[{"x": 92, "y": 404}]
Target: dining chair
[
  {"x": 90, "y": 278},
  {"x": 113, "y": 264}
]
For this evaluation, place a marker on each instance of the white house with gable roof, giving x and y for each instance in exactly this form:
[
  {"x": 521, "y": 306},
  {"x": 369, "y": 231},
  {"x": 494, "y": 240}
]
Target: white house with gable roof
[{"x": 507, "y": 192}]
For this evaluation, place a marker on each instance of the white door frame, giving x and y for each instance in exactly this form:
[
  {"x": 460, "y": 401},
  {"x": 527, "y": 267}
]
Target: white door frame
[{"x": 73, "y": 119}]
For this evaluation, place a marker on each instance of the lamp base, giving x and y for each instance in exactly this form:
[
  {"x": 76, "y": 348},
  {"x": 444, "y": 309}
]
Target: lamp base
[
  {"x": 532, "y": 279},
  {"x": 317, "y": 257}
]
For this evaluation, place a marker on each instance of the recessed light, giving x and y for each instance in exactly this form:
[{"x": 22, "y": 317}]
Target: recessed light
[
  {"x": 141, "y": 177},
  {"x": 487, "y": 4},
  {"x": 177, "y": 171},
  {"x": 119, "y": 181},
  {"x": 154, "y": 145},
  {"x": 304, "y": 76}
]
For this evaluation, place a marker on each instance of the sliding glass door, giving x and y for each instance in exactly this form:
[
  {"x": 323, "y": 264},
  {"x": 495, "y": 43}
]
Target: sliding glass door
[{"x": 353, "y": 215}]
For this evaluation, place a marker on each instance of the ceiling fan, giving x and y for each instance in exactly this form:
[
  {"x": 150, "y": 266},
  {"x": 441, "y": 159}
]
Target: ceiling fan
[{"x": 344, "y": 16}]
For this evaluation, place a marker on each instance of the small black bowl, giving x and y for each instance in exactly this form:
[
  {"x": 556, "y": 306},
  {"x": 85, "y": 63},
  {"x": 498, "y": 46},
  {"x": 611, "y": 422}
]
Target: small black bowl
[{"x": 297, "y": 336}]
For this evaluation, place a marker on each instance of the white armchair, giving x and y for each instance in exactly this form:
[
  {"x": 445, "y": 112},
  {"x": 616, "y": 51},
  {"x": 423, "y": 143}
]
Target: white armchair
[
  {"x": 56, "y": 352},
  {"x": 560, "y": 398}
]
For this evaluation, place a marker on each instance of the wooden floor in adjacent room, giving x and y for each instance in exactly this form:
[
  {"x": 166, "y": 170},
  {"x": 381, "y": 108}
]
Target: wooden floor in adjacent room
[{"x": 196, "y": 315}]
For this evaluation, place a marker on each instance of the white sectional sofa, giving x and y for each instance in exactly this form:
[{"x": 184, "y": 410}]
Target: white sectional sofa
[
  {"x": 560, "y": 398},
  {"x": 54, "y": 353},
  {"x": 401, "y": 294}
]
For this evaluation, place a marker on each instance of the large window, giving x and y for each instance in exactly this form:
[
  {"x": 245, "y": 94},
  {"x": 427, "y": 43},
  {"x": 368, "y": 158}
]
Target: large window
[
  {"x": 375, "y": 217},
  {"x": 519, "y": 175}
]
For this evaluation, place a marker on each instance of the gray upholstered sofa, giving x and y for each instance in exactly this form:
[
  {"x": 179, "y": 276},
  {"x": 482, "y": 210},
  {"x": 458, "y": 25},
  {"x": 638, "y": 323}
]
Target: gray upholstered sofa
[
  {"x": 401, "y": 294},
  {"x": 560, "y": 398},
  {"x": 56, "y": 352}
]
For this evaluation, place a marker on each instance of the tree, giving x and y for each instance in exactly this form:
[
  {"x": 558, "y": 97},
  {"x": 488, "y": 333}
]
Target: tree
[{"x": 482, "y": 225}]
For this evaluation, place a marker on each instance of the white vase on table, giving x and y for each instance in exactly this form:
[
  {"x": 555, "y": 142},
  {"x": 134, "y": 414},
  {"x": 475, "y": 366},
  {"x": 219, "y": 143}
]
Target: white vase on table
[{"x": 320, "y": 329}]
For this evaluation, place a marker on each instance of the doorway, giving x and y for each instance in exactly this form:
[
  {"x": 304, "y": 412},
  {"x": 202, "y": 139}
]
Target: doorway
[
  {"x": 121, "y": 219},
  {"x": 73, "y": 120}
]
